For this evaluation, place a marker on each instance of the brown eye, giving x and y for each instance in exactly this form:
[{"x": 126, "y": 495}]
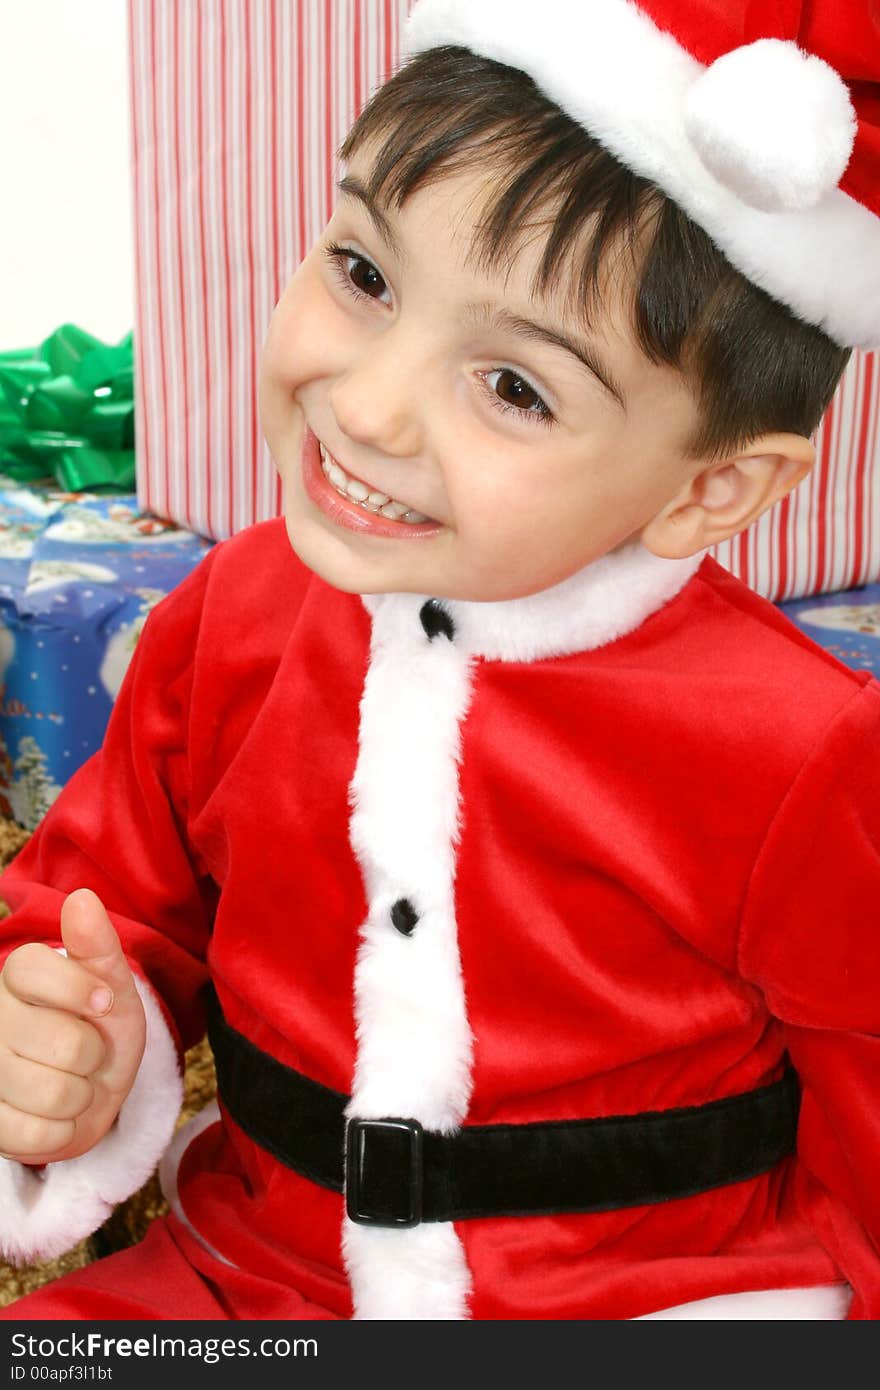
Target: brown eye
[
  {"x": 515, "y": 391},
  {"x": 365, "y": 277},
  {"x": 357, "y": 276},
  {"x": 523, "y": 401}
]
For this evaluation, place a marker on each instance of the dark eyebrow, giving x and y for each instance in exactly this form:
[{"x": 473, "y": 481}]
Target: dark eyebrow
[
  {"x": 490, "y": 315},
  {"x": 380, "y": 221},
  {"x": 493, "y": 317}
]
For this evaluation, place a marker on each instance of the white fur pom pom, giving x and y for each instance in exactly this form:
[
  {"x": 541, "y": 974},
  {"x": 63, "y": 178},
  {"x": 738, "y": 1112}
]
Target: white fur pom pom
[{"x": 772, "y": 123}]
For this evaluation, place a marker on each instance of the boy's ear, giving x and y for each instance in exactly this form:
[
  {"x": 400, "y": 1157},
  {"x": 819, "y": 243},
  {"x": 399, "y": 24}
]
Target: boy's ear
[{"x": 725, "y": 497}]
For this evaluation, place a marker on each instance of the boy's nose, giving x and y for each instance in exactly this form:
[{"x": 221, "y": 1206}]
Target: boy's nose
[{"x": 377, "y": 408}]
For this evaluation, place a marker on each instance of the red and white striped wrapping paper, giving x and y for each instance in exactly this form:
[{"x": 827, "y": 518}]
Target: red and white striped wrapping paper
[{"x": 239, "y": 107}]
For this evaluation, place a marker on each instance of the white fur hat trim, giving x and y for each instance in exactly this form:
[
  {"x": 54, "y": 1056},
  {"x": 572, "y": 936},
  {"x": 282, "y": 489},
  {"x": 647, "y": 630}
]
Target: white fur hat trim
[{"x": 638, "y": 91}]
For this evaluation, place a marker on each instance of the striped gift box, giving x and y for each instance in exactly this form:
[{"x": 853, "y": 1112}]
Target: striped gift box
[{"x": 238, "y": 109}]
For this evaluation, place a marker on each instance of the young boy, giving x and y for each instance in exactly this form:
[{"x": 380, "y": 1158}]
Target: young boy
[{"x": 524, "y": 863}]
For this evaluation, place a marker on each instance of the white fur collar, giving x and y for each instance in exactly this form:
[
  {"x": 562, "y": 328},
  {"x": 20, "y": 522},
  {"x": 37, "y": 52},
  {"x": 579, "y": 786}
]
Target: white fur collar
[{"x": 599, "y": 603}]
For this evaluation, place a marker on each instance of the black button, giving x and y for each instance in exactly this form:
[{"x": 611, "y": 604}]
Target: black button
[
  {"x": 404, "y": 916},
  {"x": 434, "y": 619}
]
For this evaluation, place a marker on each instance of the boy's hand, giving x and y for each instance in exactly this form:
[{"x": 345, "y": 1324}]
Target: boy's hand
[{"x": 72, "y": 1032}]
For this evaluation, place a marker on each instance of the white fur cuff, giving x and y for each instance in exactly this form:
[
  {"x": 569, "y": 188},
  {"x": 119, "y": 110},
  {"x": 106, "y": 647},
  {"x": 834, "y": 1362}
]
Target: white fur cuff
[{"x": 45, "y": 1212}]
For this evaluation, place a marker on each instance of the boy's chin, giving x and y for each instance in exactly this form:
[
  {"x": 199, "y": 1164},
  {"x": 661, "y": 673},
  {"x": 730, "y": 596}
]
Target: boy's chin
[
  {"x": 354, "y": 575},
  {"x": 334, "y": 567}
]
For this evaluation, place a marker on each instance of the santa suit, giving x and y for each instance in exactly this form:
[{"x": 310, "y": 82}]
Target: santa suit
[{"x": 637, "y": 819}]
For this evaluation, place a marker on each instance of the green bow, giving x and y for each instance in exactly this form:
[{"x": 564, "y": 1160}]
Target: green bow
[{"x": 67, "y": 410}]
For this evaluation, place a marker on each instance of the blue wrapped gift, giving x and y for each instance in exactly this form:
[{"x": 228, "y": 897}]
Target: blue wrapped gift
[
  {"x": 78, "y": 575},
  {"x": 846, "y": 624}
]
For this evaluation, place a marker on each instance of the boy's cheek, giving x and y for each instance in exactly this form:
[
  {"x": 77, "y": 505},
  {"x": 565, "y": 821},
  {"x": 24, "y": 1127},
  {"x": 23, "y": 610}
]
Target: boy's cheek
[
  {"x": 279, "y": 352},
  {"x": 305, "y": 343},
  {"x": 279, "y": 413},
  {"x": 268, "y": 391},
  {"x": 293, "y": 315}
]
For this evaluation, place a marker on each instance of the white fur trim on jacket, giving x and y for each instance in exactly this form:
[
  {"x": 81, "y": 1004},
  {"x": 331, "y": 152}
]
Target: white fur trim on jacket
[
  {"x": 44, "y": 1212},
  {"x": 413, "y": 1039},
  {"x": 596, "y": 605},
  {"x": 821, "y": 1303},
  {"x": 414, "y": 1044},
  {"x": 630, "y": 84},
  {"x": 172, "y": 1158}
]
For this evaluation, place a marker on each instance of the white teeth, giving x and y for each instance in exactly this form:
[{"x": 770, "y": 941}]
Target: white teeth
[{"x": 378, "y": 502}]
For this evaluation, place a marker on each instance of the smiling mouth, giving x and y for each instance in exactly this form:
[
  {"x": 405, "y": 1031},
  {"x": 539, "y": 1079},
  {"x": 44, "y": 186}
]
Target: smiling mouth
[{"x": 370, "y": 499}]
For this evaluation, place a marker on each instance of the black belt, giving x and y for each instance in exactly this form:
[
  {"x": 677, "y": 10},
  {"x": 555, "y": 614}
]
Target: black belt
[{"x": 395, "y": 1173}]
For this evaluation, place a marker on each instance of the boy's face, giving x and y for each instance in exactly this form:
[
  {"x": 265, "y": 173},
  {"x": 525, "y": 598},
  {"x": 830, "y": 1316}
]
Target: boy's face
[{"x": 377, "y": 353}]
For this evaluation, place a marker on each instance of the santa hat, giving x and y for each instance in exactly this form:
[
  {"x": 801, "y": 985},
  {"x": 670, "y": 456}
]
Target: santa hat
[{"x": 759, "y": 118}]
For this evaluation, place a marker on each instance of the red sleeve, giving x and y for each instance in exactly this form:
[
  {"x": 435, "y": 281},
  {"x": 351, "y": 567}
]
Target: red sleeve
[
  {"x": 810, "y": 939},
  {"x": 120, "y": 825}
]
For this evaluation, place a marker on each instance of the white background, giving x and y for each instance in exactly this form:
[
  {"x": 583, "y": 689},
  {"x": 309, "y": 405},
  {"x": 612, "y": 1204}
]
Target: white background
[{"x": 66, "y": 252}]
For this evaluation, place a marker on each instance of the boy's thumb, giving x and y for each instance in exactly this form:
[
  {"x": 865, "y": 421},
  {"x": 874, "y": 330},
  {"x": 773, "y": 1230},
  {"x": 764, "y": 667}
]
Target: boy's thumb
[{"x": 90, "y": 938}]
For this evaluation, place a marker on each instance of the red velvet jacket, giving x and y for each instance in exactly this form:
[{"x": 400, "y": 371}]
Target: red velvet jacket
[{"x": 639, "y": 817}]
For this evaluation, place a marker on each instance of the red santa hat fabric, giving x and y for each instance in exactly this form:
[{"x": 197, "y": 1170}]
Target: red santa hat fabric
[{"x": 760, "y": 118}]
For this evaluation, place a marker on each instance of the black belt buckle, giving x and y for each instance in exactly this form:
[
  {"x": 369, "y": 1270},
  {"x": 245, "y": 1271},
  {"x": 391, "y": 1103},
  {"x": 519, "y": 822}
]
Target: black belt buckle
[{"x": 383, "y": 1172}]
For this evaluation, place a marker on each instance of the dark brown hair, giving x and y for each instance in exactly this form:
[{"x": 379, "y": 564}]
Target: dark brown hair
[{"x": 752, "y": 365}]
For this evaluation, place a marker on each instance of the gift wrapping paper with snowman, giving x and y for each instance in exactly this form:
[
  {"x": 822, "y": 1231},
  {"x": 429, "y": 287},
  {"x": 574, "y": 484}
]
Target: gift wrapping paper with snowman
[
  {"x": 78, "y": 575},
  {"x": 847, "y": 625}
]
